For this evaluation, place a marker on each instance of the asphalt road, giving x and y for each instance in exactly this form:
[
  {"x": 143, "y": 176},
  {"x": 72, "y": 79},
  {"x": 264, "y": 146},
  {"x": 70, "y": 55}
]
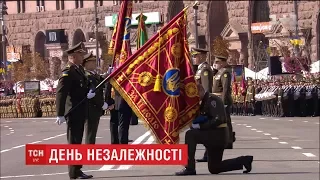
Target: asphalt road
[{"x": 283, "y": 149}]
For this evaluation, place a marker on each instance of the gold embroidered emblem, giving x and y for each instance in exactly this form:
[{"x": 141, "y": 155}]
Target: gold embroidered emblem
[
  {"x": 173, "y": 82},
  {"x": 205, "y": 73},
  {"x": 175, "y": 134},
  {"x": 170, "y": 114},
  {"x": 191, "y": 90},
  {"x": 145, "y": 79},
  {"x": 176, "y": 50},
  {"x": 123, "y": 56},
  {"x": 225, "y": 75}
]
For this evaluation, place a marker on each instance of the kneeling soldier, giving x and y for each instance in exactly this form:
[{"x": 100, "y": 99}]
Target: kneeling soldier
[{"x": 211, "y": 130}]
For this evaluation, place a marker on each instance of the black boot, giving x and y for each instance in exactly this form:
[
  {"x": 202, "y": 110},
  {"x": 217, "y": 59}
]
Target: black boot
[
  {"x": 186, "y": 172},
  {"x": 234, "y": 164},
  {"x": 205, "y": 157},
  {"x": 247, "y": 163}
]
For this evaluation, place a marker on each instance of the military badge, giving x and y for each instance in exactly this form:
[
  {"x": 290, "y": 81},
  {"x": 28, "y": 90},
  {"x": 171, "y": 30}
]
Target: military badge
[
  {"x": 225, "y": 75},
  {"x": 214, "y": 104},
  {"x": 205, "y": 73}
]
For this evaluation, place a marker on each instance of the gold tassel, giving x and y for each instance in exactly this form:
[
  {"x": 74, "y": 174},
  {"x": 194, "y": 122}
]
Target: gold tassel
[{"x": 157, "y": 84}]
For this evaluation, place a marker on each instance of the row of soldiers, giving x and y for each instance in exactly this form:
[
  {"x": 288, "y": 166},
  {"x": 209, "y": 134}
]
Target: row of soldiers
[{"x": 280, "y": 98}]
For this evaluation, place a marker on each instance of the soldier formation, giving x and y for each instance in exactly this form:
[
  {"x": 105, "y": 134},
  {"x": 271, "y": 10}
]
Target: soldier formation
[{"x": 279, "y": 98}]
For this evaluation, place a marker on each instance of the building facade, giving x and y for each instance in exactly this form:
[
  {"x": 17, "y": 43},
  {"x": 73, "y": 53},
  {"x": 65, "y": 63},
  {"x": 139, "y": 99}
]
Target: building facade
[{"x": 27, "y": 22}]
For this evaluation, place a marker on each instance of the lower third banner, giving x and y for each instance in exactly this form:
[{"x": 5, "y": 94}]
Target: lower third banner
[{"x": 61, "y": 154}]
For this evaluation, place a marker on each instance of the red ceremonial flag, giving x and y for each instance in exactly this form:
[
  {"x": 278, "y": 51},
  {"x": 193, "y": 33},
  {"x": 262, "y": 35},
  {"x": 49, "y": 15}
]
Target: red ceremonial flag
[
  {"x": 126, "y": 48},
  {"x": 243, "y": 85},
  {"x": 158, "y": 83},
  {"x": 235, "y": 86},
  {"x": 120, "y": 31}
]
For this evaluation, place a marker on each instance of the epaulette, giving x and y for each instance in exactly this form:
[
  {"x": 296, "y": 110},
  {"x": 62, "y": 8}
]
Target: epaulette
[
  {"x": 65, "y": 71},
  {"x": 88, "y": 73}
]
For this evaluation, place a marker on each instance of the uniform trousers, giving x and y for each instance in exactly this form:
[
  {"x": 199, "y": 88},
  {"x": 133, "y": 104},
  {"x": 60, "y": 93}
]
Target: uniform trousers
[
  {"x": 119, "y": 126},
  {"x": 231, "y": 136},
  {"x": 75, "y": 129},
  {"x": 215, "y": 141},
  {"x": 92, "y": 123}
]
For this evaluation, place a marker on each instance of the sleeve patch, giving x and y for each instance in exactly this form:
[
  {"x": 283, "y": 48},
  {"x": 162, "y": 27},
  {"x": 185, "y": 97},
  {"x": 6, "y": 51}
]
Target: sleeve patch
[
  {"x": 225, "y": 75},
  {"x": 65, "y": 73},
  {"x": 214, "y": 104},
  {"x": 205, "y": 73}
]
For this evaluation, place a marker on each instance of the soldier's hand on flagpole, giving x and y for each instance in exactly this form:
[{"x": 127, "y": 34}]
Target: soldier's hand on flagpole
[
  {"x": 105, "y": 106},
  {"x": 195, "y": 126},
  {"x": 91, "y": 94},
  {"x": 60, "y": 120}
]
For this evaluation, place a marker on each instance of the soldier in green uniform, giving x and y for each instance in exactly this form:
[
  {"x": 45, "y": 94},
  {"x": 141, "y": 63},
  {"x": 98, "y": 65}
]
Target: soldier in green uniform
[
  {"x": 96, "y": 105},
  {"x": 250, "y": 97},
  {"x": 222, "y": 88},
  {"x": 71, "y": 90},
  {"x": 212, "y": 132},
  {"x": 204, "y": 72}
]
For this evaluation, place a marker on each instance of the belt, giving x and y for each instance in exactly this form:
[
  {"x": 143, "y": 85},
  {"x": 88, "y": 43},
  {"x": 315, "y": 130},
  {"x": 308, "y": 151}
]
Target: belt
[{"x": 222, "y": 125}]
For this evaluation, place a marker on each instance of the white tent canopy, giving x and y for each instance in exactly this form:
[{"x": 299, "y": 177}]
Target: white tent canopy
[
  {"x": 315, "y": 67},
  {"x": 44, "y": 85}
]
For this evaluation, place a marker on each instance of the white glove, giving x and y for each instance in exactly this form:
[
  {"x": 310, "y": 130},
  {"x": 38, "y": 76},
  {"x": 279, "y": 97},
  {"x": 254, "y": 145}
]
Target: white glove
[
  {"x": 195, "y": 126},
  {"x": 105, "y": 106},
  {"x": 90, "y": 94},
  {"x": 60, "y": 120}
]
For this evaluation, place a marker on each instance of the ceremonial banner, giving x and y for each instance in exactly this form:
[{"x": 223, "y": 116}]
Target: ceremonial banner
[
  {"x": 142, "y": 35},
  {"x": 237, "y": 71},
  {"x": 119, "y": 30},
  {"x": 158, "y": 83},
  {"x": 234, "y": 84},
  {"x": 126, "y": 48}
]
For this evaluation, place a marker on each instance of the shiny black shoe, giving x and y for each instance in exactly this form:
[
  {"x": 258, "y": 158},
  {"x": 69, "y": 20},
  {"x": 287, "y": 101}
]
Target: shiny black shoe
[
  {"x": 229, "y": 146},
  {"x": 84, "y": 176},
  {"x": 247, "y": 163},
  {"x": 186, "y": 172},
  {"x": 204, "y": 159}
]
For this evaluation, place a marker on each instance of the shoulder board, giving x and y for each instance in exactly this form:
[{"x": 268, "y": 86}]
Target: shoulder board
[{"x": 65, "y": 71}]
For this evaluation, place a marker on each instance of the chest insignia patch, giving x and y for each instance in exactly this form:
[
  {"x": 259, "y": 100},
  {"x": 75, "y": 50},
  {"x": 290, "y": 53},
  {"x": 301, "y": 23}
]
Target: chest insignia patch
[{"x": 214, "y": 104}]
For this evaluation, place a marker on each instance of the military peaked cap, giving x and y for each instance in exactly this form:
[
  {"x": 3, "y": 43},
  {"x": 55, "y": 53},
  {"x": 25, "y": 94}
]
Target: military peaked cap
[
  {"x": 220, "y": 58},
  {"x": 195, "y": 51},
  {"x": 88, "y": 57},
  {"x": 78, "y": 48}
]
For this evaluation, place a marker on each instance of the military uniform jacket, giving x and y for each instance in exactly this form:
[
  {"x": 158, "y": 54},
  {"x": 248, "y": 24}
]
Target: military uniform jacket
[
  {"x": 222, "y": 85},
  {"x": 212, "y": 107},
  {"x": 72, "y": 88},
  {"x": 205, "y": 73},
  {"x": 250, "y": 93},
  {"x": 94, "y": 80}
]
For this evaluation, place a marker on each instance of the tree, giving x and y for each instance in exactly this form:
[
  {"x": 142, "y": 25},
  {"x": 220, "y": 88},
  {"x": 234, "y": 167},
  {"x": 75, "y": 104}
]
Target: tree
[
  {"x": 105, "y": 57},
  {"x": 21, "y": 70},
  {"x": 31, "y": 66},
  {"x": 41, "y": 68},
  {"x": 220, "y": 47}
]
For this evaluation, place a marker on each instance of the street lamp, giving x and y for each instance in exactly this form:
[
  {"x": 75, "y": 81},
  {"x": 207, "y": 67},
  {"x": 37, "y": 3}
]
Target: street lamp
[
  {"x": 195, "y": 15},
  {"x": 96, "y": 33},
  {"x": 3, "y": 11}
]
